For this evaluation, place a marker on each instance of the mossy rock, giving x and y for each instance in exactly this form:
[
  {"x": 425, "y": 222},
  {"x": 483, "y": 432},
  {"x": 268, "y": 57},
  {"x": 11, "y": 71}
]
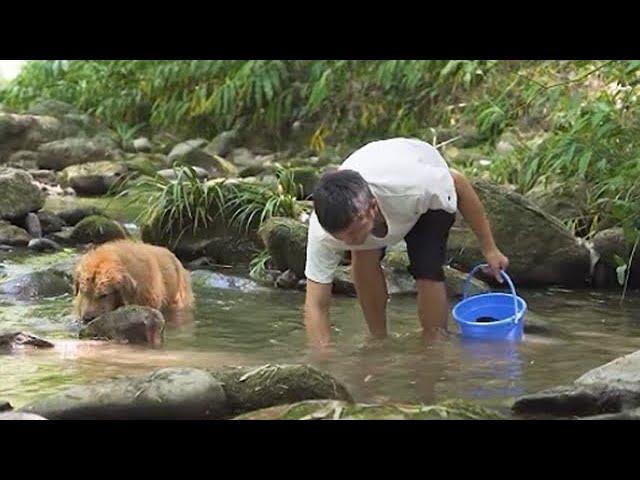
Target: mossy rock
[
  {"x": 286, "y": 241},
  {"x": 306, "y": 178},
  {"x": 97, "y": 229}
]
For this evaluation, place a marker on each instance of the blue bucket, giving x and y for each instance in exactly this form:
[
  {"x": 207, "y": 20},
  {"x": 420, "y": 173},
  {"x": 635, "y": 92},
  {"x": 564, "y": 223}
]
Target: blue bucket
[{"x": 501, "y": 315}]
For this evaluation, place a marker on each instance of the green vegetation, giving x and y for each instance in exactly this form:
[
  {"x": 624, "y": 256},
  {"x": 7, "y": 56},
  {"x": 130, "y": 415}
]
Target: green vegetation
[{"x": 534, "y": 123}]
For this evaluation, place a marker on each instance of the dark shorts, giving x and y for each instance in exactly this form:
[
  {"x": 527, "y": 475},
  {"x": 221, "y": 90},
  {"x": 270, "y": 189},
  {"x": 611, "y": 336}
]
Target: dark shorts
[{"x": 427, "y": 245}]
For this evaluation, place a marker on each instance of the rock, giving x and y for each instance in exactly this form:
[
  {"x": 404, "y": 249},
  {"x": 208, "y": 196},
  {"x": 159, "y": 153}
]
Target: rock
[
  {"x": 190, "y": 153},
  {"x": 250, "y": 389},
  {"x": 13, "y": 129},
  {"x": 171, "y": 174},
  {"x": 19, "y": 195},
  {"x": 93, "y": 178},
  {"x": 242, "y": 157},
  {"x": 53, "y": 108},
  {"x": 306, "y": 178},
  {"x": 43, "y": 245},
  {"x": 50, "y": 222},
  {"x": 62, "y": 237},
  {"x": 24, "y": 159},
  {"x": 60, "y": 154},
  {"x": 340, "y": 410},
  {"x": 20, "y": 339},
  {"x": 287, "y": 280},
  {"x": 20, "y": 416},
  {"x": 13, "y": 236},
  {"x": 163, "y": 142},
  {"x": 222, "y": 144},
  {"x": 38, "y": 284},
  {"x": 32, "y": 224},
  {"x": 73, "y": 215},
  {"x": 608, "y": 244},
  {"x": 541, "y": 250},
  {"x": 169, "y": 393},
  {"x": 148, "y": 164},
  {"x": 97, "y": 229},
  {"x": 142, "y": 144},
  {"x": 131, "y": 324},
  {"x": 610, "y": 388},
  {"x": 47, "y": 177},
  {"x": 266, "y": 171},
  {"x": 396, "y": 264},
  {"x": 5, "y": 406},
  {"x": 286, "y": 241},
  {"x": 182, "y": 149},
  {"x": 566, "y": 201}
]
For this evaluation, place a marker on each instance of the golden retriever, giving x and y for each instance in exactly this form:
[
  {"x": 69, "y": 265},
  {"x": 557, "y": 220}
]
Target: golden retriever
[{"x": 126, "y": 272}]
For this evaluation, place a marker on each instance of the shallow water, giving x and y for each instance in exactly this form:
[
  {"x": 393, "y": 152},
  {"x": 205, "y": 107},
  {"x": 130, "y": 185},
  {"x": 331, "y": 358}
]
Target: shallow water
[{"x": 239, "y": 323}]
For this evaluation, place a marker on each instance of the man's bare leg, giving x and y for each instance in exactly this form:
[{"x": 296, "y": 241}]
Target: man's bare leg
[
  {"x": 433, "y": 308},
  {"x": 371, "y": 289}
]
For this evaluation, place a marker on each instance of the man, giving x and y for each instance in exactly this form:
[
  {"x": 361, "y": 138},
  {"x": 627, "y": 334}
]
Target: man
[{"x": 385, "y": 192}]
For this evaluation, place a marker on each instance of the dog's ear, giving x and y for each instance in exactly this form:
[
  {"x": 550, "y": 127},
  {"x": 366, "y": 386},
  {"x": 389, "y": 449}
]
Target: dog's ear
[{"x": 128, "y": 288}]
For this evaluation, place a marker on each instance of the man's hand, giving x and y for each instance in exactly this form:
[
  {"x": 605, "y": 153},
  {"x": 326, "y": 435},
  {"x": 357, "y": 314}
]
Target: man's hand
[{"x": 497, "y": 262}]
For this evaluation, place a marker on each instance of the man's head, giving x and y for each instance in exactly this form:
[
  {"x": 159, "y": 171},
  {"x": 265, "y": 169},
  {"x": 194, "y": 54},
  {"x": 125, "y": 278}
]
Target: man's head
[{"x": 345, "y": 206}]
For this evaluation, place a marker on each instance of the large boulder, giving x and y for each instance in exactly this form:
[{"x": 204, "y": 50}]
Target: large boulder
[
  {"x": 28, "y": 132},
  {"x": 131, "y": 324},
  {"x": 610, "y": 388},
  {"x": 566, "y": 201},
  {"x": 19, "y": 195},
  {"x": 93, "y": 178},
  {"x": 12, "y": 132},
  {"x": 541, "y": 250},
  {"x": 60, "y": 154},
  {"x": 169, "y": 393},
  {"x": 340, "y": 410},
  {"x": 97, "y": 229}
]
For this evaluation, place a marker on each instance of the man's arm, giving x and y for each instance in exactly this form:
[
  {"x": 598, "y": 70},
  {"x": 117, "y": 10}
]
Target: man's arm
[
  {"x": 473, "y": 212},
  {"x": 316, "y": 313}
]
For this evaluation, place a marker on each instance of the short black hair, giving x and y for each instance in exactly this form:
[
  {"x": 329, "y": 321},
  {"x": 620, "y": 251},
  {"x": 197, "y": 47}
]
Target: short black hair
[{"x": 338, "y": 197}]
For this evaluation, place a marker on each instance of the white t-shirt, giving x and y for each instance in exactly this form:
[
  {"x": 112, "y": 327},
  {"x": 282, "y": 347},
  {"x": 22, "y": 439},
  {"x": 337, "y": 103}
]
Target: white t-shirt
[{"x": 407, "y": 177}]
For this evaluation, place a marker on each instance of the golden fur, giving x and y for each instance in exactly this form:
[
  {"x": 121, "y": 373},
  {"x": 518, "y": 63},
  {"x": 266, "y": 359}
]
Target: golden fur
[{"x": 125, "y": 272}]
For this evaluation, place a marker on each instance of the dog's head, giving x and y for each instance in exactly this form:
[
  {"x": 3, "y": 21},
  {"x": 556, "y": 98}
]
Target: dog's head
[{"x": 101, "y": 284}]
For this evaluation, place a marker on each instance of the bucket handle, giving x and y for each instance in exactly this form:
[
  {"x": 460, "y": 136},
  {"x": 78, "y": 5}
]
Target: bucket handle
[{"x": 467, "y": 281}]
